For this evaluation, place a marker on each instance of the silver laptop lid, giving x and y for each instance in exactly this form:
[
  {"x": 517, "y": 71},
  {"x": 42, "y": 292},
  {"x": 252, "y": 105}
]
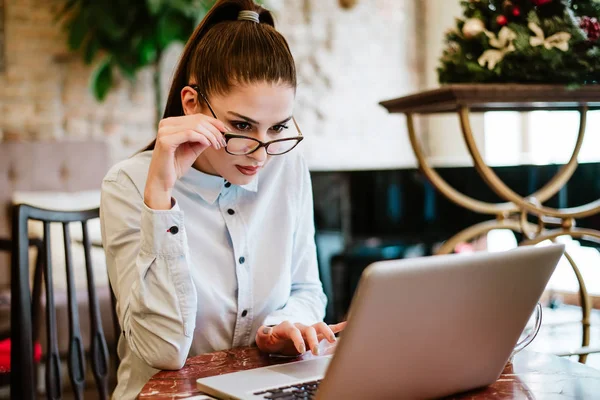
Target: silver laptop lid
[{"x": 434, "y": 326}]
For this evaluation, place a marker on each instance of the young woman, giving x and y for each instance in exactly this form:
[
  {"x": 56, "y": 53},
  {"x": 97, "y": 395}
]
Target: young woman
[{"x": 209, "y": 232}]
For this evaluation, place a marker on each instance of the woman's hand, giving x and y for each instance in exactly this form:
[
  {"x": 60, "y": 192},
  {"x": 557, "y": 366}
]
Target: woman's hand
[
  {"x": 179, "y": 142},
  {"x": 293, "y": 339}
]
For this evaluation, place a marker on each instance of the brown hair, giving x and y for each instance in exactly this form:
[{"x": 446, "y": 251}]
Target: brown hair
[{"x": 224, "y": 52}]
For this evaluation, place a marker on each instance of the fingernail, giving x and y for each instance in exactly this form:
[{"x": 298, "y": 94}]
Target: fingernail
[
  {"x": 302, "y": 349},
  {"x": 267, "y": 331},
  {"x": 333, "y": 338},
  {"x": 316, "y": 351},
  {"x": 224, "y": 142}
]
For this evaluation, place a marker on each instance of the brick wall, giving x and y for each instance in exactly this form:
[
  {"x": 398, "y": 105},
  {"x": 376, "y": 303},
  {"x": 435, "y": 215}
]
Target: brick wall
[{"x": 348, "y": 60}]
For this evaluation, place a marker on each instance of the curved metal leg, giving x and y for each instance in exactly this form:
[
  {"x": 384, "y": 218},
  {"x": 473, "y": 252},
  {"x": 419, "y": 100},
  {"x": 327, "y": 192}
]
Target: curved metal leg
[
  {"x": 500, "y": 188},
  {"x": 586, "y": 307},
  {"x": 440, "y": 184}
]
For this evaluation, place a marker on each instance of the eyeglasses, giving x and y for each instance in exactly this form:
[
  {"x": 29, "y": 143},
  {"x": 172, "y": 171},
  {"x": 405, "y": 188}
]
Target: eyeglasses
[{"x": 240, "y": 145}]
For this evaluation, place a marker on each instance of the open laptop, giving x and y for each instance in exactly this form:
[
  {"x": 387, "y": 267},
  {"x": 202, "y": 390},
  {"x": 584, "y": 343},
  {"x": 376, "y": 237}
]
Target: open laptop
[{"x": 418, "y": 328}]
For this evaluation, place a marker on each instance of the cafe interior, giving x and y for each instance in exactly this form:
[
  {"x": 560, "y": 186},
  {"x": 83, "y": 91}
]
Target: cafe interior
[{"x": 431, "y": 127}]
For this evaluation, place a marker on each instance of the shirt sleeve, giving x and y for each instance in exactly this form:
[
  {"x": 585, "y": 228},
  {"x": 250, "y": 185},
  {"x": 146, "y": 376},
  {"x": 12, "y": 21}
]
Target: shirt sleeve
[
  {"x": 148, "y": 266},
  {"x": 307, "y": 301}
]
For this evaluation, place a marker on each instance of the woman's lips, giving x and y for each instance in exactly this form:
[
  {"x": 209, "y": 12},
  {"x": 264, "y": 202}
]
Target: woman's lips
[{"x": 247, "y": 170}]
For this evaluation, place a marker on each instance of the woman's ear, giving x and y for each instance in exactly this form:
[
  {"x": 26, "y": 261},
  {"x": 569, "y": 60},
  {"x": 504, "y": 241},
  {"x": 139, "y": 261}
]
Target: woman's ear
[{"x": 189, "y": 101}]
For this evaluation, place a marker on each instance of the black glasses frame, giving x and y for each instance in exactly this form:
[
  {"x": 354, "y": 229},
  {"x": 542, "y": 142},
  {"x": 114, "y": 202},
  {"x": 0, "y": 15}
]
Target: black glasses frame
[{"x": 261, "y": 144}]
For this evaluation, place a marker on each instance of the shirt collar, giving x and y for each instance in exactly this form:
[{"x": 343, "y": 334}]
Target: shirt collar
[{"x": 209, "y": 187}]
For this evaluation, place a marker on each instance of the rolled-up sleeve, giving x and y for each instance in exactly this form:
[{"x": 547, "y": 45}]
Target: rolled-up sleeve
[
  {"x": 307, "y": 301},
  {"x": 148, "y": 266}
]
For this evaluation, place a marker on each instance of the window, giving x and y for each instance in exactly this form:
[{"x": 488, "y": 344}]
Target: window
[{"x": 539, "y": 137}]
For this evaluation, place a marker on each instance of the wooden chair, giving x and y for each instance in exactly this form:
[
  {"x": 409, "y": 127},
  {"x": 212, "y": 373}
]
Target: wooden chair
[{"x": 23, "y": 330}]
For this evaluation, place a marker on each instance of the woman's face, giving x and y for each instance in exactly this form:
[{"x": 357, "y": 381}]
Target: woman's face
[{"x": 262, "y": 111}]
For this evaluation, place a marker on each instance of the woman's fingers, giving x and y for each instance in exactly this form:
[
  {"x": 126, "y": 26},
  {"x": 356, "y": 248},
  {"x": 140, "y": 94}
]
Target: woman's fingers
[
  {"x": 202, "y": 129},
  {"x": 203, "y": 125},
  {"x": 324, "y": 332},
  {"x": 216, "y": 132},
  {"x": 337, "y": 328},
  {"x": 176, "y": 139},
  {"x": 191, "y": 120},
  {"x": 287, "y": 337},
  {"x": 283, "y": 337},
  {"x": 289, "y": 331},
  {"x": 263, "y": 337},
  {"x": 310, "y": 335}
]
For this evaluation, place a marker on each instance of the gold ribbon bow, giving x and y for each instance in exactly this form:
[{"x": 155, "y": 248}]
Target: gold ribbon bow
[
  {"x": 504, "y": 44},
  {"x": 559, "y": 40}
]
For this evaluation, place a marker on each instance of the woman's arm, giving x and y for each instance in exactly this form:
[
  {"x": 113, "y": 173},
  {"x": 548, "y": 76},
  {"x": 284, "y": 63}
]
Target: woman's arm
[
  {"x": 146, "y": 246},
  {"x": 147, "y": 261}
]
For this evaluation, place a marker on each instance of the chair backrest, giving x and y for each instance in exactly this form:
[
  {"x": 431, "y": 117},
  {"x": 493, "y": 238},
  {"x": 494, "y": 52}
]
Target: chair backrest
[
  {"x": 64, "y": 166},
  {"x": 22, "y": 329}
]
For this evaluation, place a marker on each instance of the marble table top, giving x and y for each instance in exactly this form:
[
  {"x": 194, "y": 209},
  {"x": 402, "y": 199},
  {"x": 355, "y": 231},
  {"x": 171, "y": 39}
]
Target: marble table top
[{"x": 530, "y": 376}]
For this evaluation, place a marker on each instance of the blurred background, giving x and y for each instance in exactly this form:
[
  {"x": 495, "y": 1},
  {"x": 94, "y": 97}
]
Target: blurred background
[{"x": 96, "y": 73}]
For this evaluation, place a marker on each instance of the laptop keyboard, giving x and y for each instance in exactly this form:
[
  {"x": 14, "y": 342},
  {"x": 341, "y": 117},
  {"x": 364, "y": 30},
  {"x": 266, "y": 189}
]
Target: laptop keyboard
[{"x": 305, "y": 390}]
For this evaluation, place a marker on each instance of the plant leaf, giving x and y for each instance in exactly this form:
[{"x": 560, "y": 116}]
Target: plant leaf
[
  {"x": 171, "y": 27},
  {"x": 66, "y": 8},
  {"x": 102, "y": 79},
  {"x": 91, "y": 49},
  {"x": 147, "y": 51},
  {"x": 107, "y": 22},
  {"x": 154, "y": 6},
  {"x": 126, "y": 68},
  {"x": 77, "y": 28}
]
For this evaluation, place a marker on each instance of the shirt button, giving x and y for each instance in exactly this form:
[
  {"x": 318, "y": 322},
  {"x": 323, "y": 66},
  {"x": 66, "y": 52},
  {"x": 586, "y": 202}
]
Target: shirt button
[
  {"x": 174, "y": 230},
  {"x": 244, "y": 313},
  {"x": 230, "y": 212},
  {"x": 227, "y": 184},
  {"x": 242, "y": 260}
]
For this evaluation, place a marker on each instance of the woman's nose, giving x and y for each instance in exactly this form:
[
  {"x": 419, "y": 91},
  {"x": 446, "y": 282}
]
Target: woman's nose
[{"x": 259, "y": 155}]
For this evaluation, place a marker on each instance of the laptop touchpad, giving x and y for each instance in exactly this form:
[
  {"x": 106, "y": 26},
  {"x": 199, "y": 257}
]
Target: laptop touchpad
[{"x": 304, "y": 369}]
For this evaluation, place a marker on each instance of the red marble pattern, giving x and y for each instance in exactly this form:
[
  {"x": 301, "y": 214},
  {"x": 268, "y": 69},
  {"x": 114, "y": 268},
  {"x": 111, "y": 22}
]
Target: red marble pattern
[{"x": 530, "y": 376}]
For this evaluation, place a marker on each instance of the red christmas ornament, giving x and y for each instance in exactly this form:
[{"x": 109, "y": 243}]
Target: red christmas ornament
[
  {"x": 541, "y": 2},
  {"x": 516, "y": 11},
  {"x": 501, "y": 20},
  {"x": 591, "y": 26}
]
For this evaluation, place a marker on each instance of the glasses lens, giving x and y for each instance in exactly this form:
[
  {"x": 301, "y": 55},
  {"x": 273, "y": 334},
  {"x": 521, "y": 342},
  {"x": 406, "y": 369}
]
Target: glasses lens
[
  {"x": 282, "y": 146},
  {"x": 241, "y": 146}
]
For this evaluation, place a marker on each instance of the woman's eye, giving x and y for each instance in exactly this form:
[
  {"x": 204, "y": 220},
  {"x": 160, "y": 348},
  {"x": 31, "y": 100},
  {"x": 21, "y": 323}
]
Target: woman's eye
[
  {"x": 242, "y": 126},
  {"x": 279, "y": 128}
]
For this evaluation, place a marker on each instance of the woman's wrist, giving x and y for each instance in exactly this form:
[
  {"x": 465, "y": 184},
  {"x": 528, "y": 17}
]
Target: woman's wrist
[{"x": 158, "y": 199}]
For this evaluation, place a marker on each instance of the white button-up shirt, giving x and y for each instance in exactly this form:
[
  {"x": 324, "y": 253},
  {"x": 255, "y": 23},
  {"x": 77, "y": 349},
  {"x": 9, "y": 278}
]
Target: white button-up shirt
[{"x": 205, "y": 275}]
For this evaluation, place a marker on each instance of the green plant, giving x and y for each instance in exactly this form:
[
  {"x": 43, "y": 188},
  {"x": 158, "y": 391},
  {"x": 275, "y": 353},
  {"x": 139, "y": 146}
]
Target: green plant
[
  {"x": 127, "y": 35},
  {"x": 524, "y": 41}
]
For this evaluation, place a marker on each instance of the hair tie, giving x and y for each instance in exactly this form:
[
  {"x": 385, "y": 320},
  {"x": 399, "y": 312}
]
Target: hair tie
[{"x": 248, "y": 15}]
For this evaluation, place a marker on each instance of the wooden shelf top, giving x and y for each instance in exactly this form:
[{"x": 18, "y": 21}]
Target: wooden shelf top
[{"x": 496, "y": 97}]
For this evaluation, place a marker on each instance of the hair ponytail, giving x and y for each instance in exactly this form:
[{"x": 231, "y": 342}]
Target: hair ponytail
[{"x": 223, "y": 52}]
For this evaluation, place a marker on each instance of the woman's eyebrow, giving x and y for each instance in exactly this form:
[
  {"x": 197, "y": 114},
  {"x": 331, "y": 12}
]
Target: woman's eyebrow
[
  {"x": 284, "y": 121},
  {"x": 247, "y": 119}
]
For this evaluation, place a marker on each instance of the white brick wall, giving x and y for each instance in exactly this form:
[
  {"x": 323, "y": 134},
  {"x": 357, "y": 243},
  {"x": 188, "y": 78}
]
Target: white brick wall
[{"x": 348, "y": 60}]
